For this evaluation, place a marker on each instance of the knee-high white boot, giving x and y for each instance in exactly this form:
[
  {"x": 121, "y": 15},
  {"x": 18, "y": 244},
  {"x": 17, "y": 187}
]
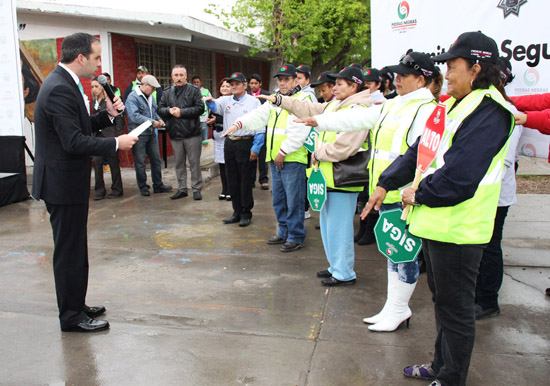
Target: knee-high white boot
[
  {"x": 392, "y": 282},
  {"x": 398, "y": 309}
]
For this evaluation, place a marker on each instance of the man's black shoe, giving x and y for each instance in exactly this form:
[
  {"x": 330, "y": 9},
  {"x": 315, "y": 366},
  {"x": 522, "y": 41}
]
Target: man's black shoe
[
  {"x": 275, "y": 240},
  {"x": 145, "y": 192},
  {"x": 232, "y": 220},
  {"x": 163, "y": 189},
  {"x": 482, "y": 313},
  {"x": 317, "y": 226},
  {"x": 94, "y": 312},
  {"x": 88, "y": 325},
  {"x": 97, "y": 198},
  {"x": 179, "y": 194},
  {"x": 324, "y": 274},
  {"x": 244, "y": 222},
  {"x": 114, "y": 195},
  {"x": 332, "y": 282},
  {"x": 197, "y": 196},
  {"x": 290, "y": 246}
]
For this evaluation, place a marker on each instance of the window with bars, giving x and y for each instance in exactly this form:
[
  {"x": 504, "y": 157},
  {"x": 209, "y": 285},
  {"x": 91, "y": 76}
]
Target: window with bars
[
  {"x": 156, "y": 57},
  {"x": 197, "y": 62}
]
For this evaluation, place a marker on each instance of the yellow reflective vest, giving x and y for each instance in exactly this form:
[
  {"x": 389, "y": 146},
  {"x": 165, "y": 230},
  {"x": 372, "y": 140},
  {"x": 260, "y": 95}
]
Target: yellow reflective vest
[
  {"x": 389, "y": 140},
  {"x": 471, "y": 221},
  {"x": 276, "y": 133},
  {"x": 330, "y": 137}
]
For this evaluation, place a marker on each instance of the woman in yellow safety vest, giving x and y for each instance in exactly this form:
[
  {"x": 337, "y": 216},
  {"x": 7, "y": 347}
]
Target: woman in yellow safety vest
[
  {"x": 336, "y": 217},
  {"x": 396, "y": 125},
  {"x": 455, "y": 204}
]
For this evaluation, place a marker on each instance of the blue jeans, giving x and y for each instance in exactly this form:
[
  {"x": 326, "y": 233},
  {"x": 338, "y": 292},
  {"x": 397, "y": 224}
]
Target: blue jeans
[
  {"x": 204, "y": 131},
  {"x": 288, "y": 194},
  {"x": 406, "y": 272},
  {"x": 147, "y": 144},
  {"x": 337, "y": 233}
]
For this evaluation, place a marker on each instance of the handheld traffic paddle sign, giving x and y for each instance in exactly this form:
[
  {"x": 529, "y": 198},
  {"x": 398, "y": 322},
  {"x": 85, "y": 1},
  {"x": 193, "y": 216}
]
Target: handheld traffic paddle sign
[
  {"x": 316, "y": 190},
  {"x": 309, "y": 144},
  {"x": 393, "y": 239},
  {"x": 428, "y": 146}
]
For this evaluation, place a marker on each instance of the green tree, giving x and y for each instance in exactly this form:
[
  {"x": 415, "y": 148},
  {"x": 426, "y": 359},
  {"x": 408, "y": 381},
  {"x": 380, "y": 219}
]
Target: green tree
[{"x": 328, "y": 35}]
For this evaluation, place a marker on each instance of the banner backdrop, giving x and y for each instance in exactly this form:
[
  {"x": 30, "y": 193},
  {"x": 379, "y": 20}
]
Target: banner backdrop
[
  {"x": 518, "y": 26},
  {"x": 11, "y": 92}
]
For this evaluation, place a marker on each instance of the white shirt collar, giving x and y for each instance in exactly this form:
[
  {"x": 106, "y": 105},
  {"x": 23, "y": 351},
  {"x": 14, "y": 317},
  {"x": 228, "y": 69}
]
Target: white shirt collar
[{"x": 73, "y": 75}]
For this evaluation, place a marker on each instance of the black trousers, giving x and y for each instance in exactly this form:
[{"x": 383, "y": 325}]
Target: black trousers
[
  {"x": 116, "y": 179},
  {"x": 262, "y": 167},
  {"x": 70, "y": 260},
  {"x": 452, "y": 272},
  {"x": 491, "y": 268},
  {"x": 239, "y": 171},
  {"x": 223, "y": 175}
]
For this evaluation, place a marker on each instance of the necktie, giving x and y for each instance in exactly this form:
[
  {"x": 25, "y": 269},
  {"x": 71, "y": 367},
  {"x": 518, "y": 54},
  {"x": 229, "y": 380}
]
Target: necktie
[{"x": 84, "y": 97}]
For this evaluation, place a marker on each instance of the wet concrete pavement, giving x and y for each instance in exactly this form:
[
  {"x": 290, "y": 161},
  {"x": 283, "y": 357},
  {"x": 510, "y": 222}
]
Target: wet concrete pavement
[{"x": 194, "y": 302}]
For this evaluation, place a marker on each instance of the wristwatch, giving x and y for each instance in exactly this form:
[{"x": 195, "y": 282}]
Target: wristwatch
[{"x": 413, "y": 200}]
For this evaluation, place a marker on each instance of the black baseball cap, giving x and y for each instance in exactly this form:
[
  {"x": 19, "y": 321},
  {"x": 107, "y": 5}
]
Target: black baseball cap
[
  {"x": 372, "y": 75},
  {"x": 353, "y": 74},
  {"x": 304, "y": 70},
  {"x": 471, "y": 45},
  {"x": 385, "y": 73},
  {"x": 356, "y": 65},
  {"x": 416, "y": 63},
  {"x": 237, "y": 76},
  {"x": 287, "y": 69},
  {"x": 505, "y": 70},
  {"x": 323, "y": 78},
  {"x": 255, "y": 76}
]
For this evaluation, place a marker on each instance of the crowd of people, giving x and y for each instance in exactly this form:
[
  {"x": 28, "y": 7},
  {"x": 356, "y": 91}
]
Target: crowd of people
[{"x": 366, "y": 114}]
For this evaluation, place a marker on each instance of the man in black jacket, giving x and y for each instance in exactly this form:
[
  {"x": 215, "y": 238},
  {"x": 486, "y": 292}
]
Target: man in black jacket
[
  {"x": 180, "y": 107},
  {"x": 62, "y": 170}
]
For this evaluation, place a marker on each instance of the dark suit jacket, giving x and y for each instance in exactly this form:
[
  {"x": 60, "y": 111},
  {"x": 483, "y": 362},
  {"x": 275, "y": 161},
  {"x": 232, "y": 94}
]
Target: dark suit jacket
[{"x": 64, "y": 142}]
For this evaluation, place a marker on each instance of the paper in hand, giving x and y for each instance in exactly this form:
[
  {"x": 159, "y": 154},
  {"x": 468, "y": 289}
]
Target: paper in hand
[{"x": 140, "y": 129}]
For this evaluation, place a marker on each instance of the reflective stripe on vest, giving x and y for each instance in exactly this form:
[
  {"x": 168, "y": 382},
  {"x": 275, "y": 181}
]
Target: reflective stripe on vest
[
  {"x": 390, "y": 140},
  {"x": 471, "y": 221},
  {"x": 330, "y": 137},
  {"x": 134, "y": 85},
  {"x": 276, "y": 133}
]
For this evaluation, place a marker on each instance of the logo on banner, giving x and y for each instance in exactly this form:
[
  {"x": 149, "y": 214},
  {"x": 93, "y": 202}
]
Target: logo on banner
[
  {"x": 510, "y": 6},
  {"x": 403, "y": 10},
  {"x": 531, "y": 77},
  {"x": 404, "y": 23}
]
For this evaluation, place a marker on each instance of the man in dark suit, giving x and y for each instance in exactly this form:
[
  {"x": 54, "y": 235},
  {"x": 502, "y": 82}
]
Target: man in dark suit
[{"x": 62, "y": 170}]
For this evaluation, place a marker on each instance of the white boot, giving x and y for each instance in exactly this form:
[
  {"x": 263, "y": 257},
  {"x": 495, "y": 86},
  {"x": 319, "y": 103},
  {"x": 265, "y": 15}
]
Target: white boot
[
  {"x": 392, "y": 282},
  {"x": 398, "y": 310}
]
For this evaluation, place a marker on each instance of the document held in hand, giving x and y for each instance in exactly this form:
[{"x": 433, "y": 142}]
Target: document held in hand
[{"x": 140, "y": 129}]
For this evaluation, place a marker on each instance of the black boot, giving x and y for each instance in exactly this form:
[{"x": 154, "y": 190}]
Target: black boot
[
  {"x": 362, "y": 228},
  {"x": 368, "y": 237}
]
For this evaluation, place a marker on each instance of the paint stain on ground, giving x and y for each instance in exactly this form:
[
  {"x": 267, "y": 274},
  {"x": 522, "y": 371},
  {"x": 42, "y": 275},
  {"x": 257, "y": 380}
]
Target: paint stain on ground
[
  {"x": 183, "y": 256},
  {"x": 25, "y": 257}
]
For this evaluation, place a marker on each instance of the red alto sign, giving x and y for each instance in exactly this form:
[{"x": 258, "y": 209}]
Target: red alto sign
[{"x": 431, "y": 137}]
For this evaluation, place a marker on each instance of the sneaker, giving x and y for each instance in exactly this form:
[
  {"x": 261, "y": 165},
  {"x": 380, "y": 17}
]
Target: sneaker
[
  {"x": 162, "y": 189},
  {"x": 482, "y": 313},
  {"x": 424, "y": 371},
  {"x": 307, "y": 214}
]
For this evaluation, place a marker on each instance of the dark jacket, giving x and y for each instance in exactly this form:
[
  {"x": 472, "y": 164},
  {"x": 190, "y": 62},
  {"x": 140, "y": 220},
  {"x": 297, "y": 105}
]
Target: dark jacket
[
  {"x": 111, "y": 131},
  {"x": 189, "y": 101},
  {"x": 64, "y": 142}
]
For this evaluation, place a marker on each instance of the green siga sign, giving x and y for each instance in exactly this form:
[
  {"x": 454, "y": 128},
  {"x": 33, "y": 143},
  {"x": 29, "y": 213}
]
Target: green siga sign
[
  {"x": 316, "y": 190},
  {"x": 309, "y": 144},
  {"x": 393, "y": 239}
]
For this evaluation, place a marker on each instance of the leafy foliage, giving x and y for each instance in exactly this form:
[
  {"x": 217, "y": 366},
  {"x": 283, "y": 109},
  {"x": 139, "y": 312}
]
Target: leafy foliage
[{"x": 325, "y": 34}]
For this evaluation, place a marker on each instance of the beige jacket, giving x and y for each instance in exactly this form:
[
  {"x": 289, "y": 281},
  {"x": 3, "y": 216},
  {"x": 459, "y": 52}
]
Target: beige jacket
[{"x": 346, "y": 144}]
